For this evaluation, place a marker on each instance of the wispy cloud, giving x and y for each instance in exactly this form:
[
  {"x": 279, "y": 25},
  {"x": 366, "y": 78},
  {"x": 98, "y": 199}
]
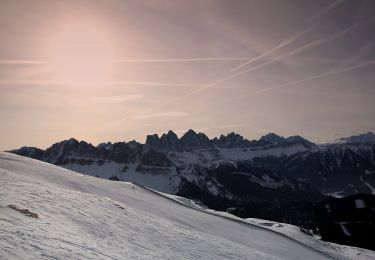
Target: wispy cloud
[
  {"x": 158, "y": 115},
  {"x": 114, "y": 99}
]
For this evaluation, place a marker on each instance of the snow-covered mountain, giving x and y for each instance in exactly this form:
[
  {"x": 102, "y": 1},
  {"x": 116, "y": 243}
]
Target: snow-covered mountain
[
  {"x": 229, "y": 172},
  {"x": 49, "y": 212},
  {"x": 168, "y": 163}
]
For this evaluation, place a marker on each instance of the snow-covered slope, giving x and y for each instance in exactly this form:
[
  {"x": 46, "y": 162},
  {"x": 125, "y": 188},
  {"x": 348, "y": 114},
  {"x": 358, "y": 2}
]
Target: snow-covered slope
[
  {"x": 83, "y": 217},
  {"x": 355, "y": 139}
]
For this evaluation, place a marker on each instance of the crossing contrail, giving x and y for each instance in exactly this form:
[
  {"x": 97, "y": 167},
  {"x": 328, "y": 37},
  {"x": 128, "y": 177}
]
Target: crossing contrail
[
  {"x": 278, "y": 47},
  {"x": 291, "y": 39},
  {"x": 293, "y": 52},
  {"x": 318, "y": 76}
]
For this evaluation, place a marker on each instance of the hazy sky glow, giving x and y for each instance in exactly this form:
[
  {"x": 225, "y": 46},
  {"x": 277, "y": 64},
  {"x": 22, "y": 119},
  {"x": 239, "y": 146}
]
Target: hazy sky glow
[{"x": 119, "y": 70}]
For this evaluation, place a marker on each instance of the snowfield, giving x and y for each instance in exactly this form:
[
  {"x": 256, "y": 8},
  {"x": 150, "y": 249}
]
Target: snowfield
[{"x": 84, "y": 217}]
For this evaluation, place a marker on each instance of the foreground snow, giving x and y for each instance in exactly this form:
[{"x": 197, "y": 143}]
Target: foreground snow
[{"x": 83, "y": 217}]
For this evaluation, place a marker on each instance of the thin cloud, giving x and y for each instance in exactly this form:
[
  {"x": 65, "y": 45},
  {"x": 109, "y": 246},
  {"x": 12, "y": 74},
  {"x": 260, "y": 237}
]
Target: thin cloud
[
  {"x": 114, "y": 99},
  {"x": 167, "y": 114}
]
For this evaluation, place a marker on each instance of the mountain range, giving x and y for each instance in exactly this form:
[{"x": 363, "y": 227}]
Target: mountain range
[
  {"x": 262, "y": 178},
  {"x": 214, "y": 166}
]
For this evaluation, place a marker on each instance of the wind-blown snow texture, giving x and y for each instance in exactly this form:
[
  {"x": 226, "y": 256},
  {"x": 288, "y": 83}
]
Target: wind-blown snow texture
[{"x": 83, "y": 217}]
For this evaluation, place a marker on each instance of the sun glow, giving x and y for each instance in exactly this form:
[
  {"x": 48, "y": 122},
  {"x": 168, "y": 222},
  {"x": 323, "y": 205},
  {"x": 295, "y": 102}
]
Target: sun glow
[{"x": 82, "y": 56}]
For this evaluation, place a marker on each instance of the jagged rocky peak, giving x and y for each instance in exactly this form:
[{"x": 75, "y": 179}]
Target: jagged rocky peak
[
  {"x": 300, "y": 140},
  {"x": 172, "y": 135},
  {"x": 192, "y": 141},
  {"x": 105, "y": 146},
  {"x": 152, "y": 140},
  {"x": 133, "y": 144},
  {"x": 272, "y": 139},
  {"x": 232, "y": 137},
  {"x": 368, "y": 138},
  {"x": 189, "y": 134},
  {"x": 31, "y": 152},
  {"x": 169, "y": 141},
  {"x": 166, "y": 141},
  {"x": 275, "y": 139},
  {"x": 66, "y": 144},
  {"x": 231, "y": 140}
]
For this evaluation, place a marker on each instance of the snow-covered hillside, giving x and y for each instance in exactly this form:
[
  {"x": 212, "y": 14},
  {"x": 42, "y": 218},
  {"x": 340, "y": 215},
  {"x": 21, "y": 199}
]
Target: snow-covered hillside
[{"x": 83, "y": 217}]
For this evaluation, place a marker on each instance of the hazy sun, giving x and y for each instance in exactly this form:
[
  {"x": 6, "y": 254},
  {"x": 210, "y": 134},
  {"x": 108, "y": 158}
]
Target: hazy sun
[{"x": 82, "y": 56}]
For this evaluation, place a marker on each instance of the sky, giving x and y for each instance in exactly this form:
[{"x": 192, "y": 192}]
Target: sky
[{"x": 120, "y": 70}]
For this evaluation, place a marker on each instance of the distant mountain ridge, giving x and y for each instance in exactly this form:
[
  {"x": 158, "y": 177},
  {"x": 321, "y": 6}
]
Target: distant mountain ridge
[
  {"x": 361, "y": 138},
  {"x": 191, "y": 141}
]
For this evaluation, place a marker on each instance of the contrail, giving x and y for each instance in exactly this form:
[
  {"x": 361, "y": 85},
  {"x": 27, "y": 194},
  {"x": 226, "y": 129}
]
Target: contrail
[
  {"x": 23, "y": 62},
  {"x": 10, "y": 62},
  {"x": 293, "y": 52},
  {"x": 203, "y": 59},
  {"x": 30, "y": 82},
  {"x": 52, "y": 82},
  {"x": 167, "y": 114},
  {"x": 147, "y": 83},
  {"x": 314, "y": 59},
  {"x": 327, "y": 60},
  {"x": 300, "y": 49},
  {"x": 321, "y": 75},
  {"x": 293, "y": 38},
  {"x": 325, "y": 10},
  {"x": 181, "y": 59},
  {"x": 280, "y": 46}
]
